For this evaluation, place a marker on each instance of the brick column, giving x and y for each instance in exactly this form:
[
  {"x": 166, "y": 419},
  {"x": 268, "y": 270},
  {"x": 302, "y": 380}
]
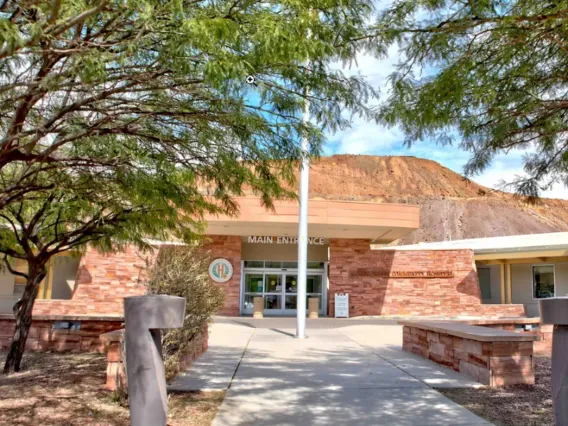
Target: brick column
[{"x": 228, "y": 247}]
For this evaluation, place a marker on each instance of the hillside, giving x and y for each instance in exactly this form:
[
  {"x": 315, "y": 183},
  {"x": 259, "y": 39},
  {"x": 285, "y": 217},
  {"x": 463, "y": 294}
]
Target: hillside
[{"x": 452, "y": 206}]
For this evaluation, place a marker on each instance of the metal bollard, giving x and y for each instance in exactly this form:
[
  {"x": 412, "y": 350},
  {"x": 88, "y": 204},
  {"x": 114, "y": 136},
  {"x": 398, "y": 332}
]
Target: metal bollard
[
  {"x": 555, "y": 311},
  {"x": 144, "y": 317}
]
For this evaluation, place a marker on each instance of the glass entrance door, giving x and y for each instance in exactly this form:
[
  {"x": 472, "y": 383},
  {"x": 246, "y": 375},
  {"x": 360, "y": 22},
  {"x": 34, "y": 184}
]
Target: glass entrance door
[
  {"x": 314, "y": 288},
  {"x": 279, "y": 288}
]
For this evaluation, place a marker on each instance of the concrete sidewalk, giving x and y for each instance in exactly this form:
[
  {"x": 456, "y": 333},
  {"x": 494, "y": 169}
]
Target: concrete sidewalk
[
  {"x": 214, "y": 370},
  {"x": 352, "y": 375}
]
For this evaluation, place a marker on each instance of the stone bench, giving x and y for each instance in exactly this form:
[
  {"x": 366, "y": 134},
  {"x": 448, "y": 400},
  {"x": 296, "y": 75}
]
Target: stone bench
[{"x": 490, "y": 356}]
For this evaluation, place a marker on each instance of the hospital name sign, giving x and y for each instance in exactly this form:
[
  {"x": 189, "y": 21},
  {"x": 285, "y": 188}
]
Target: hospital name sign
[
  {"x": 316, "y": 241},
  {"x": 401, "y": 274}
]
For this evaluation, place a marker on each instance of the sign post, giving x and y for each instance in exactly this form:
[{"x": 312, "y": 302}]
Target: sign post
[
  {"x": 144, "y": 319},
  {"x": 555, "y": 311}
]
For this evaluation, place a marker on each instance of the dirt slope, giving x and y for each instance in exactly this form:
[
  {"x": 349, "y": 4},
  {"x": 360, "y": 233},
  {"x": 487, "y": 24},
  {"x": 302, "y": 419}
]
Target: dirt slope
[{"x": 452, "y": 206}]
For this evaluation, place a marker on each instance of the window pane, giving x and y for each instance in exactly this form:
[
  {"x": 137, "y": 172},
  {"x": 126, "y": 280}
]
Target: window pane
[
  {"x": 273, "y": 283},
  {"x": 272, "y": 264},
  {"x": 313, "y": 284},
  {"x": 254, "y": 263},
  {"x": 315, "y": 265},
  {"x": 484, "y": 275},
  {"x": 291, "y": 302},
  {"x": 543, "y": 281},
  {"x": 272, "y": 302},
  {"x": 291, "y": 283},
  {"x": 253, "y": 283},
  {"x": 290, "y": 265}
]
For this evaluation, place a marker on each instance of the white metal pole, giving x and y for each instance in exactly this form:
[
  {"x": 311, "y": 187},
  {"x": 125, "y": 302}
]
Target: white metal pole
[{"x": 303, "y": 233}]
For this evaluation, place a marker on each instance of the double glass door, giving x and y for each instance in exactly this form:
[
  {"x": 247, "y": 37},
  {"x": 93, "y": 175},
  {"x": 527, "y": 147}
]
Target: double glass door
[{"x": 279, "y": 290}]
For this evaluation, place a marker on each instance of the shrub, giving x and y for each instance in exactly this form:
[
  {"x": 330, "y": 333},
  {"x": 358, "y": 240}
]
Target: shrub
[{"x": 183, "y": 271}]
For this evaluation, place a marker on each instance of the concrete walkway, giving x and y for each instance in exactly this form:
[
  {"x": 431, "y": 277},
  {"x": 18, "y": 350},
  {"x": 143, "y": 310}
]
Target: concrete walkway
[{"x": 343, "y": 373}]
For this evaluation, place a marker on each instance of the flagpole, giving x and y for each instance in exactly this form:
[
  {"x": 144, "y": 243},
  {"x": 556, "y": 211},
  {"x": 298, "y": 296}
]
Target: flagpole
[{"x": 303, "y": 229}]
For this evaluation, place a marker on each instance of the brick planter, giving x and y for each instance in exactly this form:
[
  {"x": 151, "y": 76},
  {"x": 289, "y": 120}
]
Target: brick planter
[
  {"x": 62, "y": 333},
  {"x": 115, "y": 373},
  {"x": 541, "y": 347},
  {"x": 491, "y": 357}
]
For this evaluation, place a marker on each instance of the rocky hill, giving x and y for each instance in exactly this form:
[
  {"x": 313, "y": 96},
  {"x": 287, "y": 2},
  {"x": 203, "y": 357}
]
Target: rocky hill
[{"x": 452, "y": 207}]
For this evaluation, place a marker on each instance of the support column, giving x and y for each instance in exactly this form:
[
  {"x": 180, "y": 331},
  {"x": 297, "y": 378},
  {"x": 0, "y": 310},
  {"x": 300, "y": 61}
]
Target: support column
[
  {"x": 503, "y": 295},
  {"x": 509, "y": 285}
]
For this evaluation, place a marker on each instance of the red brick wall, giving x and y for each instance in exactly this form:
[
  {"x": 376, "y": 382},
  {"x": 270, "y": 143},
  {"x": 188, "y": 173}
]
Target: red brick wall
[
  {"x": 376, "y": 295},
  {"x": 228, "y": 247},
  {"x": 42, "y": 337},
  {"x": 103, "y": 281}
]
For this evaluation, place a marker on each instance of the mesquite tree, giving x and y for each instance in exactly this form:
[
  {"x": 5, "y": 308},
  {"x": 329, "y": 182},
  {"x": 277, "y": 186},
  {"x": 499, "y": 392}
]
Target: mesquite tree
[
  {"x": 495, "y": 71},
  {"x": 122, "y": 119}
]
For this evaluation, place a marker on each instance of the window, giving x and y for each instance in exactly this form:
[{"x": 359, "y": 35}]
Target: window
[
  {"x": 543, "y": 281},
  {"x": 484, "y": 275}
]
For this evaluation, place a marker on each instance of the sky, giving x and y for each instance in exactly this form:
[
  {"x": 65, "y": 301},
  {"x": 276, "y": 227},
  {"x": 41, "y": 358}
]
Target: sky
[{"x": 370, "y": 138}]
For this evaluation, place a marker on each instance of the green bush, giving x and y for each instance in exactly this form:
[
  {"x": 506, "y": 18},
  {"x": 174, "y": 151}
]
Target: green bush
[{"x": 183, "y": 271}]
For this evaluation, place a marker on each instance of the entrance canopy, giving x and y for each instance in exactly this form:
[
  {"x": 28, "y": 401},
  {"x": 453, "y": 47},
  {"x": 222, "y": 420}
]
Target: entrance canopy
[{"x": 382, "y": 223}]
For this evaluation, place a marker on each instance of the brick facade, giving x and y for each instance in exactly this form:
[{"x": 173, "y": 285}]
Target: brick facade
[
  {"x": 103, "y": 281},
  {"x": 374, "y": 294},
  {"x": 228, "y": 247}
]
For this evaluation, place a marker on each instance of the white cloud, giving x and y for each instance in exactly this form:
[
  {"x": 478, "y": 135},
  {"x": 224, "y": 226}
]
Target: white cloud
[
  {"x": 372, "y": 138},
  {"x": 366, "y": 138}
]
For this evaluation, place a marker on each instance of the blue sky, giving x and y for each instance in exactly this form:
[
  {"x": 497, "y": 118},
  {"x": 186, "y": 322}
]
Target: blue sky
[{"x": 373, "y": 139}]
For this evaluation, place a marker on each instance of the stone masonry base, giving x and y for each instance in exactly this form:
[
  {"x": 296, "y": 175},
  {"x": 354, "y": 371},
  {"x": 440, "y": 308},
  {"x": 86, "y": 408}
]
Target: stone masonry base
[
  {"x": 490, "y": 363},
  {"x": 62, "y": 333}
]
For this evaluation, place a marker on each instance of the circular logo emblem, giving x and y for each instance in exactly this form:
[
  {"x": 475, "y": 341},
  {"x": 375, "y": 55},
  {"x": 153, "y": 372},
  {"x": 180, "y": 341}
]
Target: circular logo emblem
[{"x": 220, "y": 270}]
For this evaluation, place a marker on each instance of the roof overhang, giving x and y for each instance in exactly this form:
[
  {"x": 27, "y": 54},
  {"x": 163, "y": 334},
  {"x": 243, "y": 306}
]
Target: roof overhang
[
  {"x": 381, "y": 223},
  {"x": 532, "y": 247}
]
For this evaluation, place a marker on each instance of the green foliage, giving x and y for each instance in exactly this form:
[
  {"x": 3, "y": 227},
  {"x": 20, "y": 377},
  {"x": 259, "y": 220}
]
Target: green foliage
[
  {"x": 122, "y": 115},
  {"x": 494, "y": 70},
  {"x": 183, "y": 271},
  {"x": 123, "y": 120}
]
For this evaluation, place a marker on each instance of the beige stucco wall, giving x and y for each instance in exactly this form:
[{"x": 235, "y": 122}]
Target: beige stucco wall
[
  {"x": 521, "y": 284},
  {"x": 522, "y": 291},
  {"x": 495, "y": 278},
  {"x": 64, "y": 275},
  {"x": 6, "y": 283},
  {"x": 7, "y": 296},
  {"x": 252, "y": 251}
]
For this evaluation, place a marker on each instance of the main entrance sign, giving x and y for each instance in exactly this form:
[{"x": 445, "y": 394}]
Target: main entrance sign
[
  {"x": 220, "y": 270},
  {"x": 316, "y": 241}
]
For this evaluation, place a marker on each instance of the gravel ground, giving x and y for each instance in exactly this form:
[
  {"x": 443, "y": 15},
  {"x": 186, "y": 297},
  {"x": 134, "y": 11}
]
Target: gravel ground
[
  {"x": 516, "y": 405},
  {"x": 68, "y": 390}
]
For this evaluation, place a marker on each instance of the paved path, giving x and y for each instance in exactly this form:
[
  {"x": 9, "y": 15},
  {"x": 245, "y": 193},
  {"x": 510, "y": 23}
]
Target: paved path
[{"x": 351, "y": 373}]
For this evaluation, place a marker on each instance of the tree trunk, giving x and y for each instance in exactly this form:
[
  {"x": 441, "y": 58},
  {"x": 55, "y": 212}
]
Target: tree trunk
[{"x": 23, "y": 314}]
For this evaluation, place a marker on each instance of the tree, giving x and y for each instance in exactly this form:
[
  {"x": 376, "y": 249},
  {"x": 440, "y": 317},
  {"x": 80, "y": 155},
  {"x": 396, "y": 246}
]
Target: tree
[
  {"x": 124, "y": 120},
  {"x": 496, "y": 71}
]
